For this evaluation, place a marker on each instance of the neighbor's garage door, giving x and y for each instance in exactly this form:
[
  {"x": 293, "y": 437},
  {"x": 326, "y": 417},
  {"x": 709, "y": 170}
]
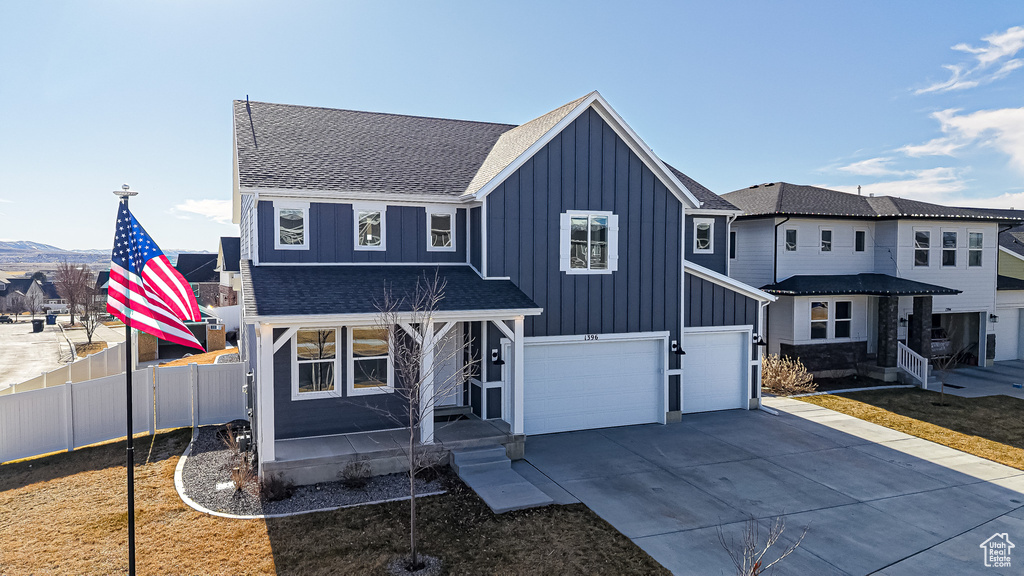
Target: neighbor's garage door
[
  {"x": 715, "y": 371},
  {"x": 581, "y": 385},
  {"x": 1007, "y": 334}
]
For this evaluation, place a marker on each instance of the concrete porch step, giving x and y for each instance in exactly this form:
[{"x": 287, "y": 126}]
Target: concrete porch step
[{"x": 488, "y": 471}]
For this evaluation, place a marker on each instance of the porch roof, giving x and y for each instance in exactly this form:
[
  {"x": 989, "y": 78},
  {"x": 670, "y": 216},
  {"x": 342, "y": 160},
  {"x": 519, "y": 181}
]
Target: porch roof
[
  {"x": 1009, "y": 283},
  {"x": 862, "y": 284},
  {"x": 352, "y": 289}
]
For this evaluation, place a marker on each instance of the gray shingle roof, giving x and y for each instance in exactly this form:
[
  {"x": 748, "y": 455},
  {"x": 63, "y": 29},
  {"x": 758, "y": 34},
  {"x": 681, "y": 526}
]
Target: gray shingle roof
[
  {"x": 783, "y": 198},
  {"x": 197, "y": 267},
  {"x": 1013, "y": 240},
  {"x": 303, "y": 147},
  {"x": 868, "y": 284},
  {"x": 709, "y": 200},
  {"x": 318, "y": 290},
  {"x": 231, "y": 249}
]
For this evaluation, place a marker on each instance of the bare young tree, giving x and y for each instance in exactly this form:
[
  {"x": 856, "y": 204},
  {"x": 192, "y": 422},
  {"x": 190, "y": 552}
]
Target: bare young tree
[
  {"x": 16, "y": 303},
  {"x": 75, "y": 284},
  {"x": 33, "y": 302},
  {"x": 91, "y": 315},
  {"x": 425, "y": 356},
  {"x": 748, "y": 555}
]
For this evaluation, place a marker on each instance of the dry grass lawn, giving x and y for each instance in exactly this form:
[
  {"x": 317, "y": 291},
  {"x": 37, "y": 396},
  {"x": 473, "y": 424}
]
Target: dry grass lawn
[
  {"x": 65, "y": 514},
  {"x": 83, "y": 350},
  {"x": 989, "y": 427},
  {"x": 204, "y": 358}
]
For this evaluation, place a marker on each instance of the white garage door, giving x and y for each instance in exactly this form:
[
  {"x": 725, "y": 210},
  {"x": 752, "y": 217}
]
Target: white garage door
[
  {"x": 582, "y": 385},
  {"x": 715, "y": 371},
  {"x": 1007, "y": 334}
]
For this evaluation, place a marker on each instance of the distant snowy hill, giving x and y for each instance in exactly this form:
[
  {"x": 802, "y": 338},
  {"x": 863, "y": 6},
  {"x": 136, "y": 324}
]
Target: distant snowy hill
[{"x": 25, "y": 254}]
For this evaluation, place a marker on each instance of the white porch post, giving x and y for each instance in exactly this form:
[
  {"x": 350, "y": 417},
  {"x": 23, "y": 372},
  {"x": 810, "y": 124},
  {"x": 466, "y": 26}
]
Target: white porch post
[
  {"x": 265, "y": 390},
  {"x": 517, "y": 377},
  {"x": 427, "y": 385}
]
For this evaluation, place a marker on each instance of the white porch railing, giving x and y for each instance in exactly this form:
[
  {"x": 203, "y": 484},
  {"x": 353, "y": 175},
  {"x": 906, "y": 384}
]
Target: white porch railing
[{"x": 913, "y": 363}]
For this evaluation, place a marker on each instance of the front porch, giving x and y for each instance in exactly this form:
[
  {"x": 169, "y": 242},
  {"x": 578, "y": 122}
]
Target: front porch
[{"x": 323, "y": 458}]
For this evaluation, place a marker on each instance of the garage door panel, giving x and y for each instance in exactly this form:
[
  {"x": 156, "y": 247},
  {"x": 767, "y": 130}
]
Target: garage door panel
[
  {"x": 715, "y": 371},
  {"x": 587, "y": 385},
  {"x": 1007, "y": 332}
]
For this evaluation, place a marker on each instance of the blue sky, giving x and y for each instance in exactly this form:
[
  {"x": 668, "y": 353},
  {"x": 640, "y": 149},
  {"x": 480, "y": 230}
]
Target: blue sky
[{"x": 916, "y": 99}]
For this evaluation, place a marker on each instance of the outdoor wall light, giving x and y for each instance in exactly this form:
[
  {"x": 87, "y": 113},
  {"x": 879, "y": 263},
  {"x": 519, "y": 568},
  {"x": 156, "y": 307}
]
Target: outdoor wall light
[
  {"x": 993, "y": 318},
  {"x": 496, "y": 358},
  {"x": 674, "y": 347},
  {"x": 758, "y": 341},
  {"x": 903, "y": 322}
]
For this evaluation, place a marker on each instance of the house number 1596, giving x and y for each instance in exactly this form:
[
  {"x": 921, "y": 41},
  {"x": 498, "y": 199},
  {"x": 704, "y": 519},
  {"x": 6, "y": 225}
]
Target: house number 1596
[{"x": 590, "y": 337}]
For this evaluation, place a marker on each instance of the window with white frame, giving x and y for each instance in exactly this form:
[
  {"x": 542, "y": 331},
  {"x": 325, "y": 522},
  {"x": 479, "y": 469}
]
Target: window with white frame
[
  {"x": 922, "y": 246},
  {"x": 588, "y": 242},
  {"x": 292, "y": 232},
  {"x": 819, "y": 320},
  {"x": 826, "y": 239},
  {"x": 844, "y": 317},
  {"x": 370, "y": 370},
  {"x": 370, "y": 227},
  {"x": 790, "y": 239},
  {"x": 975, "y": 242},
  {"x": 732, "y": 244},
  {"x": 440, "y": 230},
  {"x": 703, "y": 235},
  {"x": 314, "y": 370},
  {"x": 860, "y": 240},
  {"x": 831, "y": 319},
  {"x": 948, "y": 248}
]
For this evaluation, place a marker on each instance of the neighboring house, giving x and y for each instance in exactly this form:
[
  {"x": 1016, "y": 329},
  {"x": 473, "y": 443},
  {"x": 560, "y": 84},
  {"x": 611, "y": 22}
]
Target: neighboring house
[
  {"x": 230, "y": 282},
  {"x": 100, "y": 289},
  {"x": 27, "y": 290},
  {"x": 52, "y": 300},
  {"x": 1009, "y": 325},
  {"x": 857, "y": 275},
  {"x": 199, "y": 270},
  {"x": 579, "y": 269}
]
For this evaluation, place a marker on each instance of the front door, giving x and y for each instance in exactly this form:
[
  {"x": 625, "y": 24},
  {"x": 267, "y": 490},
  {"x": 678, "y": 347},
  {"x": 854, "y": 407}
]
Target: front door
[{"x": 448, "y": 367}]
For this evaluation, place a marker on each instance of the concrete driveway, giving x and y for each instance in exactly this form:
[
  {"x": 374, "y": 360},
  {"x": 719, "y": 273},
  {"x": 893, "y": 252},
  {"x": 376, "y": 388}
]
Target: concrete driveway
[
  {"x": 973, "y": 382},
  {"x": 873, "y": 500},
  {"x": 25, "y": 354}
]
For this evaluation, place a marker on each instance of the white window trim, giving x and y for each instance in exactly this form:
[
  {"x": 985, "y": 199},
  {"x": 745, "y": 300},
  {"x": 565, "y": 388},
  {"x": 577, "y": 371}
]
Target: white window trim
[
  {"x": 866, "y": 236},
  {"x": 796, "y": 239},
  {"x": 821, "y": 240},
  {"x": 830, "y": 326},
  {"x": 955, "y": 249},
  {"x": 278, "y": 206},
  {"x": 441, "y": 210},
  {"x": 980, "y": 250},
  {"x": 298, "y": 396},
  {"x": 711, "y": 235},
  {"x": 363, "y": 207},
  {"x": 914, "y": 248},
  {"x": 564, "y": 241},
  {"x": 350, "y": 381}
]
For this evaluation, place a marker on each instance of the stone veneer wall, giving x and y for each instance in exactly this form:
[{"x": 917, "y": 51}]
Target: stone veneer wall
[{"x": 827, "y": 356}]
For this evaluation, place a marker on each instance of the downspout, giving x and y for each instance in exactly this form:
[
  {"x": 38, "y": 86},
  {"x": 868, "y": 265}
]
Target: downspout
[
  {"x": 775, "y": 264},
  {"x": 728, "y": 243}
]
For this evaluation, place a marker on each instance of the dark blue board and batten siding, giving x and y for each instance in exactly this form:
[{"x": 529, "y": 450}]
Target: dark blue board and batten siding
[
  {"x": 709, "y": 304},
  {"x": 588, "y": 167},
  {"x": 331, "y": 236},
  {"x": 718, "y": 259},
  {"x": 343, "y": 415}
]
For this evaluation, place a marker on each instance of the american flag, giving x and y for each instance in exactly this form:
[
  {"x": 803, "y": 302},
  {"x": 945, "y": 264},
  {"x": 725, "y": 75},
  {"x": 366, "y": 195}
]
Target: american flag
[{"x": 145, "y": 287}]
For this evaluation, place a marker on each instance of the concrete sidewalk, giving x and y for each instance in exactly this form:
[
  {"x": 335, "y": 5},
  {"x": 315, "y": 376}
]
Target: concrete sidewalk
[{"x": 974, "y": 382}]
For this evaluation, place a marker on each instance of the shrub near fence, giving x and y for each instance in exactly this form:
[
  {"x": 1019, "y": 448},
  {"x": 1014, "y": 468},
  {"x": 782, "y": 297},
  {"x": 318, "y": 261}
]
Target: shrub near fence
[{"x": 73, "y": 415}]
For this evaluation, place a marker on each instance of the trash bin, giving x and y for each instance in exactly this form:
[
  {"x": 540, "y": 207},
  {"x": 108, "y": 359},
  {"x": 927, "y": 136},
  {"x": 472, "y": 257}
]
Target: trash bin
[
  {"x": 51, "y": 319},
  {"x": 37, "y": 325}
]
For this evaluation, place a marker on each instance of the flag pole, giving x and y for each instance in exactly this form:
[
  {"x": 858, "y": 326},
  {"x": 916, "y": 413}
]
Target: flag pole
[{"x": 124, "y": 193}]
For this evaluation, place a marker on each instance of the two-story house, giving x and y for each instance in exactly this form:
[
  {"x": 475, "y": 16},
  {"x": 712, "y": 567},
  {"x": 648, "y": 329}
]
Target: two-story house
[
  {"x": 228, "y": 258},
  {"x": 1010, "y": 296},
  {"x": 587, "y": 277},
  {"x": 858, "y": 275}
]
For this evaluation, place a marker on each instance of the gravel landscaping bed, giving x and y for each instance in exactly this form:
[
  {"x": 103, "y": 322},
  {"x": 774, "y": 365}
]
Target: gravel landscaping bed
[
  {"x": 206, "y": 476},
  {"x": 227, "y": 359}
]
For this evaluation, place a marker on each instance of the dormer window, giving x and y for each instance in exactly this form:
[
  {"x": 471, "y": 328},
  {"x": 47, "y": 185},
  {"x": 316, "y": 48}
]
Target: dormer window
[
  {"x": 370, "y": 226},
  {"x": 703, "y": 235},
  {"x": 440, "y": 229},
  {"x": 292, "y": 232}
]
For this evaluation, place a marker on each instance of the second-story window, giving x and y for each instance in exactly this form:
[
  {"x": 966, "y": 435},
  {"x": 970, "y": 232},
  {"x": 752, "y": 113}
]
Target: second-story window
[
  {"x": 948, "y": 248},
  {"x": 732, "y": 244},
  {"x": 922, "y": 245},
  {"x": 790, "y": 239},
  {"x": 860, "y": 240},
  {"x": 975, "y": 242},
  {"x": 826, "y": 240},
  {"x": 291, "y": 221},
  {"x": 588, "y": 242},
  {"x": 370, "y": 226},
  {"x": 440, "y": 230},
  {"x": 703, "y": 235}
]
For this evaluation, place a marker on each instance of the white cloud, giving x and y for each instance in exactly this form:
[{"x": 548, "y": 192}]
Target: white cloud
[
  {"x": 871, "y": 167},
  {"x": 1002, "y": 129},
  {"x": 998, "y": 53},
  {"x": 3, "y": 201},
  {"x": 217, "y": 210},
  {"x": 929, "y": 184}
]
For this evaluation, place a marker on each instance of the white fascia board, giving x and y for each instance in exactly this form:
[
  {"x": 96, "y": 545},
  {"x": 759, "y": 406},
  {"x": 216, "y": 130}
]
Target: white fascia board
[
  {"x": 312, "y": 321},
  {"x": 350, "y": 196},
  {"x": 712, "y": 212},
  {"x": 726, "y": 282},
  {"x": 1012, "y": 253},
  {"x": 620, "y": 127},
  {"x": 236, "y": 195}
]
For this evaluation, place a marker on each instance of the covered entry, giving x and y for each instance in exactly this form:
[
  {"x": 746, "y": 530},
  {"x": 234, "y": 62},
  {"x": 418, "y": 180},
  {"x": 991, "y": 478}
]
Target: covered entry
[{"x": 593, "y": 381}]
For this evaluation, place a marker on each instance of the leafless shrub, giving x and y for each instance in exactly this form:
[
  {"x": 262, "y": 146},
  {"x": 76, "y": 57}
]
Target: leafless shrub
[
  {"x": 749, "y": 555},
  {"x": 355, "y": 475},
  {"x": 785, "y": 376},
  {"x": 274, "y": 488},
  {"x": 242, "y": 476}
]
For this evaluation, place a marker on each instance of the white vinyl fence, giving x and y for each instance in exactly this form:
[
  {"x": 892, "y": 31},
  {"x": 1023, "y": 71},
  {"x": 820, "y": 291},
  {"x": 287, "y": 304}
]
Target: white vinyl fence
[
  {"x": 77, "y": 414},
  {"x": 106, "y": 362}
]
